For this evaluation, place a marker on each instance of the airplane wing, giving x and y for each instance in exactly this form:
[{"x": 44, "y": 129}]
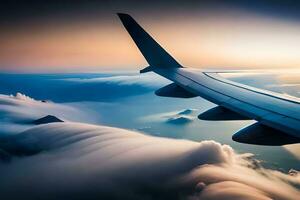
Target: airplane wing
[{"x": 277, "y": 116}]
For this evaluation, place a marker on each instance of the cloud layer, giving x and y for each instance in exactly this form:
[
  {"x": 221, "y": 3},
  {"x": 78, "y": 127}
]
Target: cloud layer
[
  {"x": 17, "y": 112},
  {"x": 81, "y": 161},
  {"x": 75, "y": 161},
  {"x": 75, "y": 88}
]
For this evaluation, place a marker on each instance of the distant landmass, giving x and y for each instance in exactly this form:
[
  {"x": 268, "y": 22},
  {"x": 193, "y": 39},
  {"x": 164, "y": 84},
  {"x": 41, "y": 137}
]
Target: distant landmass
[
  {"x": 182, "y": 117},
  {"x": 47, "y": 119},
  {"x": 180, "y": 120}
]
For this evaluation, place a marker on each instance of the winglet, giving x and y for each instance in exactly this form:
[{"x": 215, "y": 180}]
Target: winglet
[
  {"x": 155, "y": 55},
  {"x": 146, "y": 69}
]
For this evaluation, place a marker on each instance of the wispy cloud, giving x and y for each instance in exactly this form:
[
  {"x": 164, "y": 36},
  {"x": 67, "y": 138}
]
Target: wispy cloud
[
  {"x": 149, "y": 80},
  {"x": 75, "y": 88}
]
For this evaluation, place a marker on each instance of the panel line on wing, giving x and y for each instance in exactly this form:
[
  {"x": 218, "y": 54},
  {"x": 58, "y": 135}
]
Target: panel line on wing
[
  {"x": 249, "y": 88},
  {"x": 277, "y": 113}
]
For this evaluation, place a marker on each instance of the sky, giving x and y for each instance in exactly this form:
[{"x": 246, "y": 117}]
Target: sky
[
  {"x": 87, "y": 36},
  {"x": 115, "y": 138}
]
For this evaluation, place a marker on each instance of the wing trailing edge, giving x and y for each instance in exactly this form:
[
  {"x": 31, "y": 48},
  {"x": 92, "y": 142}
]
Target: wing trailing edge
[
  {"x": 147, "y": 69},
  {"x": 173, "y": 90},
  {"x": 263, "y": 135},
  {"x": 220, "y": 113}
]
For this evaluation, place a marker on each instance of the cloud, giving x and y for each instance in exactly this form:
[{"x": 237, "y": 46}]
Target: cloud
[
  {"x": 183, "y": 117},
  {"x": 294, "y": 149},
  {"x": 149, "y": 80},
  {"x": 178, "y": 117},
  {"x": 75, "y": 88},
  {"x": 285, "y": 83},
  {"x": 180, "y": 120},
  {"x": 22, "y": 97},
  {"x": 81, "y": 161},
  {"x": 17, "y": 112}
]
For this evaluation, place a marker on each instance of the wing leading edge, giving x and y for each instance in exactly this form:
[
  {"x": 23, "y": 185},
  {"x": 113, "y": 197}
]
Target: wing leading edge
[{"x": 277, "y": 116}]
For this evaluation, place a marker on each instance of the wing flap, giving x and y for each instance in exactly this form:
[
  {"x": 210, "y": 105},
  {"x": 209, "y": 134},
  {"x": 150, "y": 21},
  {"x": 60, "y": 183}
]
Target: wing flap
[
  {"x": 220, "y": 113},
  {"x": 173, "y": 90},
  {"x": 263, "y": 135}
]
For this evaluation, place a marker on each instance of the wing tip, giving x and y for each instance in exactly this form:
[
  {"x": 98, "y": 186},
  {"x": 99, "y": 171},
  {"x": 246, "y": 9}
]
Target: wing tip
[{"x": 123, "y": 16}]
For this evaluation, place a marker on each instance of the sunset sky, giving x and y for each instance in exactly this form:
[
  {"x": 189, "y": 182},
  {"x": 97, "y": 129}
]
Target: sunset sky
[
  {"x": 78, "y": 120},
  {"x": 87, "y": 36}
]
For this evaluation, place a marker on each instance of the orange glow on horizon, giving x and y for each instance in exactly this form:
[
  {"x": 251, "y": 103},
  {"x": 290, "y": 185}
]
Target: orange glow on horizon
[{"x": 218, "y": 41}]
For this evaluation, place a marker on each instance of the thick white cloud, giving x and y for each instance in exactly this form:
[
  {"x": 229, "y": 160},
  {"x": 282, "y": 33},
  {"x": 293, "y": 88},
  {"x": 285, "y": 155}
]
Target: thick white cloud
[
  {"x": 81, "y": 161},
  {"x": 18, "y": 111}
]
